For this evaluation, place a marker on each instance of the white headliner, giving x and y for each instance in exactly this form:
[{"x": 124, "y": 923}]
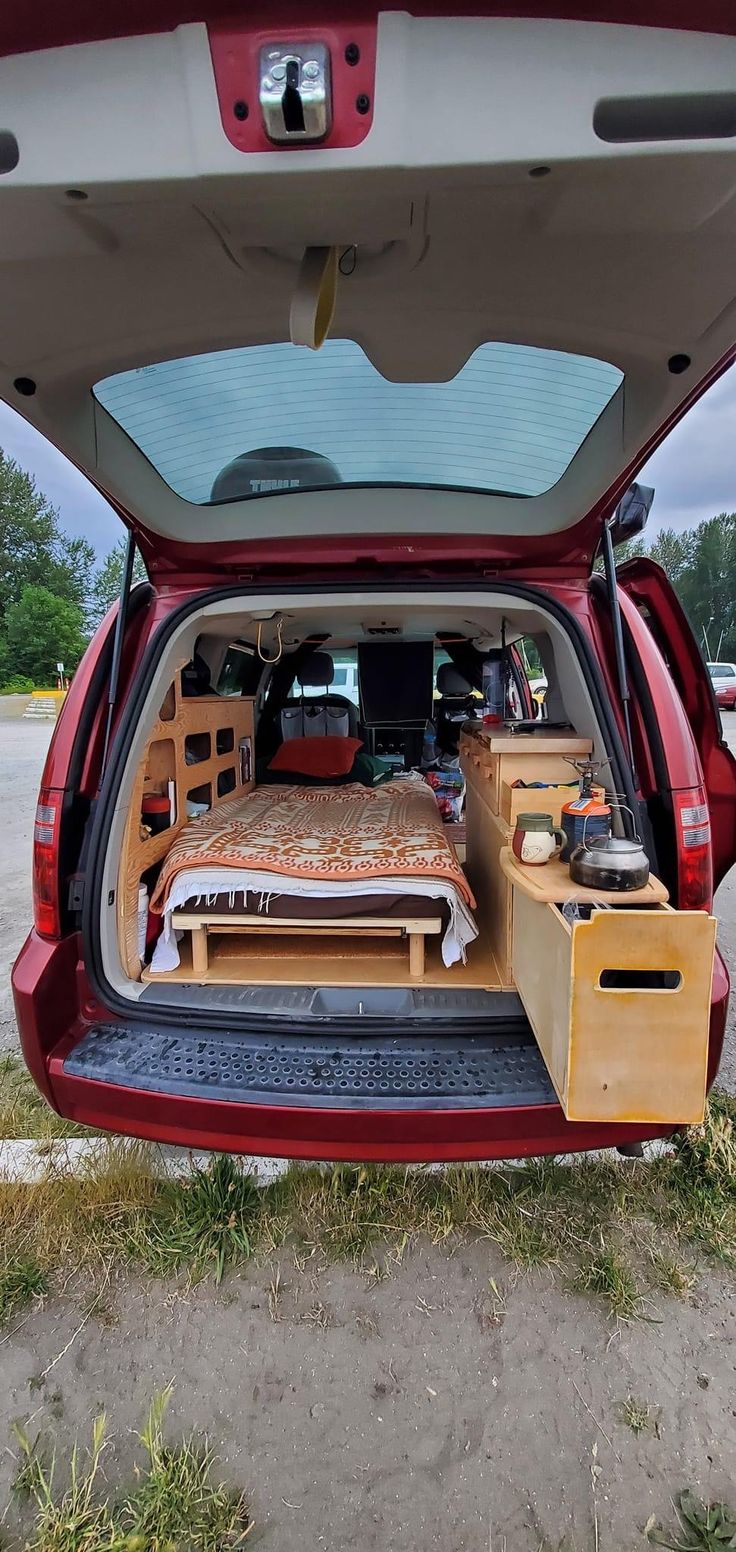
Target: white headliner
[{"x": 621, "y": 253}]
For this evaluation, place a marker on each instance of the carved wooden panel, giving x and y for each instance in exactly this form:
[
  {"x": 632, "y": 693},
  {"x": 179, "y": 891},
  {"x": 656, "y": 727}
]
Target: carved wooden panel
[{"x": 185, "y": 729}]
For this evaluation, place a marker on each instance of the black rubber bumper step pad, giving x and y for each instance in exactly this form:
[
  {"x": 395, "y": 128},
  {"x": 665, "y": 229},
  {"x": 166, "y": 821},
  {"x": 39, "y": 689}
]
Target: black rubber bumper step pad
[{"x": 475, "y": 1072}]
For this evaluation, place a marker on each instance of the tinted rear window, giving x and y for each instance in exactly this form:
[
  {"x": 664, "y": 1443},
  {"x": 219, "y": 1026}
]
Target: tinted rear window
[{"x": 240, "y": 423}]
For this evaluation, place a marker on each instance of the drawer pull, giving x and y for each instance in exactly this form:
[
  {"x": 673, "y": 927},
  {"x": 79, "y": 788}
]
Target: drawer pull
[{"x": 639, "y": 980}]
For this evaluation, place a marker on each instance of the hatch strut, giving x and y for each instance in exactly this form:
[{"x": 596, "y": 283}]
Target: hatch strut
[
  {"x": 117, "y": 647},
  {"x": 609, "y": 563}
]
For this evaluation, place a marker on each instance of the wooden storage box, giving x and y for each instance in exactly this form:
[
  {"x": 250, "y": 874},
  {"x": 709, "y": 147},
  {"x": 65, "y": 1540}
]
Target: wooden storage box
[
  {"x": 487, "y": 769},
  {"x": 617, "y": 1045},
  {"x": 494, "y": 758},
  {"x": 543, "y": 800},
  {"x": 487, "y": 838}
]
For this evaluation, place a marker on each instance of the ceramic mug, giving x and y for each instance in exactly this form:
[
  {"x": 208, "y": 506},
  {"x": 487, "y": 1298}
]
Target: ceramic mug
[{"x": 535, "y": 839}]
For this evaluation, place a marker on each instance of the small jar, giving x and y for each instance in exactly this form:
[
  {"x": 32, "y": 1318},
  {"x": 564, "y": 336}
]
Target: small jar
[{"x": 156, "y": 812}]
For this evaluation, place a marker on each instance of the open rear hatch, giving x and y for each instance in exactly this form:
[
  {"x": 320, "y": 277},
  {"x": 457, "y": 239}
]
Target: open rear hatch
[
  {"x": 529, "y": 291},
  {"x": 529, "y": 229}
]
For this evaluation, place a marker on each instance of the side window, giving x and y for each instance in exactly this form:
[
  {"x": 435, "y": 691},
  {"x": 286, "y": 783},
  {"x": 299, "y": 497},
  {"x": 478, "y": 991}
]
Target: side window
[
  {"x": 241, "y": 671},
  {"x": 440, "y": 657},
  {"x": 529, "y": 655}
]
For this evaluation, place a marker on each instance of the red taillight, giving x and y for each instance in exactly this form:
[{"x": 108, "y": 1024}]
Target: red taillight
[
  {"x": 46, "y": 835},
  {"x": 694, "y": 855}
]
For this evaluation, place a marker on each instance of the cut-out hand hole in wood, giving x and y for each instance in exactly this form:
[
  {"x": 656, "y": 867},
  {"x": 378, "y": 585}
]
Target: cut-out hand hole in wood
[
  {"x": 640, "y": 980},
  {"x": 201, "y": 794},
  {"x": 197, "y": 747},
  {"x": 168, "y": 705},
  {"x": 226, "y": 782}
]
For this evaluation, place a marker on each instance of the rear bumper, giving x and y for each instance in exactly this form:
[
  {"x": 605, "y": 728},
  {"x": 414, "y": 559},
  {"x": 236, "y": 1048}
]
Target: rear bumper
[
  {"x": 434, "y": 1136},
  {"x": 56, "y": 1009}
]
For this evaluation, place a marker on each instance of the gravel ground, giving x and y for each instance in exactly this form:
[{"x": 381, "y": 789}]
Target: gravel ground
[{"x": 23, "y": 746}]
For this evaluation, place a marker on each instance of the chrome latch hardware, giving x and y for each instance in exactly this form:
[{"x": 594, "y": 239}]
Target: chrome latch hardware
[{"x": 295, "y": 91}]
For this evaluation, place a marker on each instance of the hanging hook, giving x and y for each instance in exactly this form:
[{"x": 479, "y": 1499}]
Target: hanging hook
[{"x": 279, "y": 648}]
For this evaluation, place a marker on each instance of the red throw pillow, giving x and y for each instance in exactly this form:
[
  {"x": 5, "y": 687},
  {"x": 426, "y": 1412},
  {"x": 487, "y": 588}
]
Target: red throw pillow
[{"x": 316, "y": 756}]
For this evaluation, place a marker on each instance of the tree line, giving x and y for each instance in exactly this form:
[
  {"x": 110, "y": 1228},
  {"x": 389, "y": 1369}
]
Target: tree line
[
  {"x": 53, "y": 592},
  {"x": 700, "y": 563}
]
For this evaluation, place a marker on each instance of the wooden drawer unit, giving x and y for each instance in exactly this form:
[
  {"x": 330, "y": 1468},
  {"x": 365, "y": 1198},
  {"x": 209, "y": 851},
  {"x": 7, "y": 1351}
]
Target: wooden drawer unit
[
  {"x": 486, "y": 838},
  {"x": 620, "y": 1007},
  {"x": 489, "y": 763},
  {"x": 492, "y": 759}
]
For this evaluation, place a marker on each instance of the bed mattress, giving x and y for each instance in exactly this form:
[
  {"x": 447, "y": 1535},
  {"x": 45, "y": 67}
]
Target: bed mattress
[{"x": 251, "y": 902}]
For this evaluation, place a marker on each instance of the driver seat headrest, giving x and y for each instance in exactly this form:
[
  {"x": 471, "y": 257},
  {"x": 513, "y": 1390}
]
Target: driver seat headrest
[
  {"x": 316, "y": 672},
  {"x": 451, "y": 683}
]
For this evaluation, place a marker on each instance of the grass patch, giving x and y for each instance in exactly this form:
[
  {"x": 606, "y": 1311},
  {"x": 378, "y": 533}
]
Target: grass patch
[
  {"x": 174, "y": 1505},
  {"x": 702, "y": 1527},
  {"x": 702, "y": 1181},
  {"x": 619, "y": 1230},
  {"x": 21, "y": 1281},
  {"x": 205, "y": 1223},
  {"x": 636, "y": 1415},
  {"x": 671, "y": 1275},
  {"x": 23, "y": 1111},
  {"x": 605, "y": 1272}
]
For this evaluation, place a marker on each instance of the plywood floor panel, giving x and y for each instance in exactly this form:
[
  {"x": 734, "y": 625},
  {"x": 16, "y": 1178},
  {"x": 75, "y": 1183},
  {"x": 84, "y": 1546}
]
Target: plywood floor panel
[{"x": 296, "y": 961}]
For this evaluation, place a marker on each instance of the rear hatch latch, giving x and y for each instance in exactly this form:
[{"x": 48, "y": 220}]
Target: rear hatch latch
[{"x": 295, "y": 91}]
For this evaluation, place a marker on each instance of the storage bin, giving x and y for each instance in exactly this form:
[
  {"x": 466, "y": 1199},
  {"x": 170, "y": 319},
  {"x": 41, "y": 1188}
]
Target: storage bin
[
  {"x": 545, "y": 800},
  {"x": 496, "y": 758},
  {"x": 620, "y": 1007}
]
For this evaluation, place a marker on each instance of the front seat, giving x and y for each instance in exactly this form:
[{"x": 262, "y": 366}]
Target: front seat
[
  {"x": 312, "y": 716},
  {"x": 455, "y": 705}
]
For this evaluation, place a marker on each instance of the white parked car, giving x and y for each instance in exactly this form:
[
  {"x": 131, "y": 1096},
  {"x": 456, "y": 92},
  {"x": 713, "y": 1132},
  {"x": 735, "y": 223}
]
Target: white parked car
[{"x": 723, "y": 675}]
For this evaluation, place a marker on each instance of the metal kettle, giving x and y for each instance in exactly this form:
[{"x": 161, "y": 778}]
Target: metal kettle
[{"x": 610, "y": 862}]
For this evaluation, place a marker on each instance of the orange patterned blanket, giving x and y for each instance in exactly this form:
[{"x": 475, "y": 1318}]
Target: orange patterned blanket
[{"x": 336, "y": 834}]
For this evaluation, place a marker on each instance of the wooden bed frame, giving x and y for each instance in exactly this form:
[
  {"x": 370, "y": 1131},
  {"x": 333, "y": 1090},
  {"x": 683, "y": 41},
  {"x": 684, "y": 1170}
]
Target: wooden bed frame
[{"x": 413, "y": 928}]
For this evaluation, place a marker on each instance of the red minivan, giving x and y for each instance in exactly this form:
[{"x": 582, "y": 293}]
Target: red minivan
[{"x": 511, "y": 238}]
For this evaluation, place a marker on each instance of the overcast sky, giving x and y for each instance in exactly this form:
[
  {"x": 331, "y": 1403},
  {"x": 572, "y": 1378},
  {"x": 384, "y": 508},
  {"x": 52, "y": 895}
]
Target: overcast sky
[{"x": 694, "y": 471}]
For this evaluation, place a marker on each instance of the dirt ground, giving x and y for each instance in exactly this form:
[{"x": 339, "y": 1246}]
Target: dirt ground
[
  {"x": 420, "y": 1412},
  {"x": 427, "y": 1410}
]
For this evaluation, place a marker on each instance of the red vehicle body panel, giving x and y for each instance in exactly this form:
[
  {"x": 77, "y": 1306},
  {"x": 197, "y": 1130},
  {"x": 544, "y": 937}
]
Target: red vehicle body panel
[
  {"x": 55, "y": 1003},
  {"x": 234, "y": 41},
  {"x": 644, "y": 589},
  {"x": 45, "y": 24},
  {"x": 52, "y": 995}
]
